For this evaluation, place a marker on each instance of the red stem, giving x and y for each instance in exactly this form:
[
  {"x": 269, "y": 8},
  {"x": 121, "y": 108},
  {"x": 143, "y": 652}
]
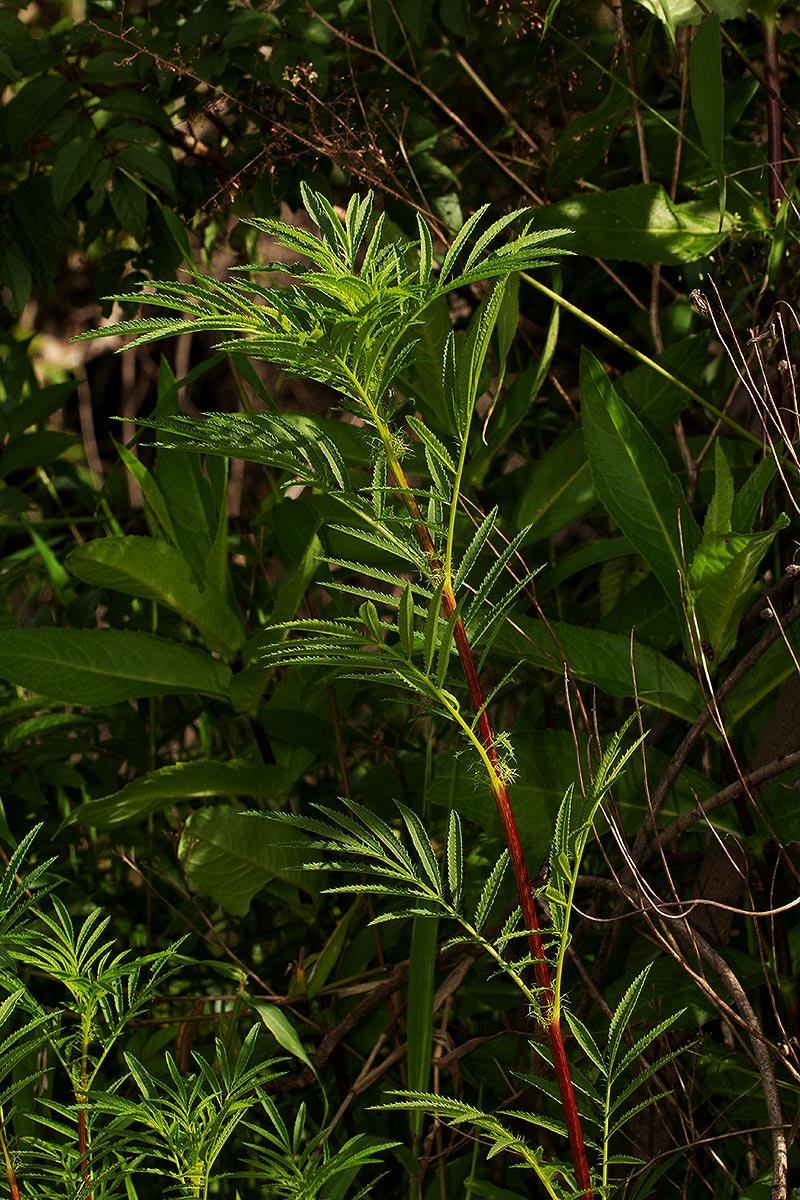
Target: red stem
[
  {"x": 85, "y": 1173},
  {"x": 11, "y": 1178},
  {"x": 518, "y": 866}
]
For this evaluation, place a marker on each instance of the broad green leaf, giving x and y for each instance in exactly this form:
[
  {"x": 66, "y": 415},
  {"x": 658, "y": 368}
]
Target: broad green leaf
[
  {"x": 73, "y": 167},
  {"x": 129, "y": 202},
  {"x": 179, "y": 782},
  {"x": 773, "y": 668},
  {"x": 140, "y": 106},
  {"x": 154, "y": 570},
  {"x": 559, "y": 488},
  {"x": 247, "y": 686},
  {"x": 15, "y": 271},
  {"x": 280, "y": 1027},
  {"x": 107, "y": 666},
  {"x": 34, "y": 407},
  {"x": 231, "y": 856},
  {"x": 686, "y": 12},
  {"x": 720, "y": 509},
  {"x": 185, "y": 489},
  {"x": 34, "y": 106},
  {"x": 149, "y": 165},
  {"x": 39, "y": 448},
  {"x": 721, "y": 576},
  {"x": 414, "y": 15},
  {"x": 634, "y": 482},
  {"x": 637, "y": 224},
  {"x": 751, "y": 493},
  {"x": 707, "y": 92},
  {"x": 318, "y": 974},
  {"x": 604, "y": 660},
  {"x": 655, "y": 399}
]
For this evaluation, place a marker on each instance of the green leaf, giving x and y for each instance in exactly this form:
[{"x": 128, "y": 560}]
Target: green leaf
[
  {"x": 138, "y": 105},
  {"x": 604, "y": 660},
  {"x": 39, "y": 448},
  {"x": 154, "y": 570},
  {"x": 106, "y": 666},
  {"x": 750, "y": 495},
  {"x": 686, "y": 12},
  {"x": 34, "y": 106},
  {"x": 634, "y": 482},
  {"x": 455, "y": 860},
  {"x": 280, "y": 1027},
  {"x": 178, "y": 782},
  {"x": 422, "y": 845},
  {"x": 707, "y": 92},
  {"x": 490, "y": 891},
  {"x": 231, "y": 856},
  {"x": 425, "y": 250},
  {"x": 721, "y": 576},
  {"x": 15, "y": 271},
  {"x": 720, "y": 510},
  {"x": 622, "y": 1015},
  {"x": 637, "y": 224},
  {"x": 773, "y": 668},
  {"x": 405, "y": 621},
  {"x": 129, "y": 203},
  {"x": 73, "y": 166},
  {"x": 559, "y": 489},
  {"x": 149, "y": 165},
  {"x": 585, "y": 1040}
]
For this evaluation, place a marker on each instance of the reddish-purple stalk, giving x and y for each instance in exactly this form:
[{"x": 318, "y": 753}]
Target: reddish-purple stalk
[
  {"x": 516, "y": 856},
  {"x": 11, "y": 1178},
  {"x": 82, "y": 1148}
]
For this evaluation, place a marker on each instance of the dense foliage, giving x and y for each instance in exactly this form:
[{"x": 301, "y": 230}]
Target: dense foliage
[{"x": 434, "y": 527}]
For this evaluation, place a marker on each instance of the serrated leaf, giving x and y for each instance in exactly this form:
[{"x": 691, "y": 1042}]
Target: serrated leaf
[
  {"x": 472, "y": 551},
  {"x": 585, "y": 1041},
  {"x": 422, "y": 845},
  {"x": 455, "y": 859},
  {"x": 445, "y": 648},
  {"x": 459, "y": 242},
  {"x": 425, "y": 250},
  {"x": 474, "y": 615},
  {"x": 489, "y": 893},
  {"x": 432, "y": 442},
  {"x": 405, "y": 621},
  {"x": 430, "y": 633},
  {"x": 623, "y": 1013}
]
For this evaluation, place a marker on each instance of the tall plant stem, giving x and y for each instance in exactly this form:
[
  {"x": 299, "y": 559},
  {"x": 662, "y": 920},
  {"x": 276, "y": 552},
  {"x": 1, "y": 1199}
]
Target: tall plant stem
[
  {"x": 11, "y": 1177},
  {"x": 547, "y": 1003},
  {"x": 773, "y": 104}
]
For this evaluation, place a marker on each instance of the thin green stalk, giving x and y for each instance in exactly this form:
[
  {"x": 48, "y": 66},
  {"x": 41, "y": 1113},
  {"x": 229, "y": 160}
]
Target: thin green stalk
[
  {"x": 712, "y": 411},
  {"x": 11, "y": 1175}
]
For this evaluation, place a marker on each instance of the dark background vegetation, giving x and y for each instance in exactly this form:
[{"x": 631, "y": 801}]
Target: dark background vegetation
[{"x": 135, "y": 137}]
